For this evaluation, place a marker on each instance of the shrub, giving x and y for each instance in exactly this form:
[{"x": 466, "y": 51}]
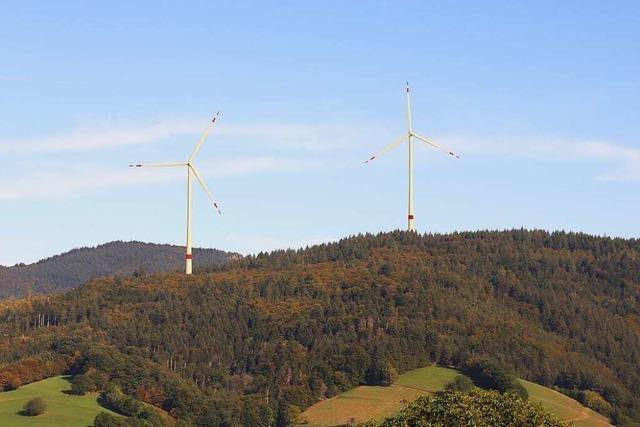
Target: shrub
[
  {"x": 107, "y": 420},
  {"x": 381, "y": 373},
  {"x": 9, "y": 381},
  {"x": 460, "y": 383},
  {"x": 119, "y": 402},
  {"x": 34, "y": 407},
  {"x": 81, "y": 384},
  {"x": 486, "y": 374},
  {"x": 518, "y": 389},
  {"x": 594, "y": 401},
  {"x": 104, "y": 419}
]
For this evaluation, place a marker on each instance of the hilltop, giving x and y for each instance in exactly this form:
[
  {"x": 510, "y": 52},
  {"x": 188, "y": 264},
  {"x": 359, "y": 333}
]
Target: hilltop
[
  {"x": 71, "y": 269},
  {"x": 261, "y": 338}
]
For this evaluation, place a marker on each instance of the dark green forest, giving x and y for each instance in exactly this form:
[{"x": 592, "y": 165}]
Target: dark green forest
[
  {"x": 71, "y": 269},
  {"x": 255, "y": 340}
]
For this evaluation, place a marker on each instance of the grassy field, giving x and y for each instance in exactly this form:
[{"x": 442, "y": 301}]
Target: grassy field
[
  {"x": 432, "y": 378},
  {"x": 365, "y": 402},
  {"x": 359, "y": 404},
  {"x": 63, "y": 410},
  {"x": 564, "y": 407}
]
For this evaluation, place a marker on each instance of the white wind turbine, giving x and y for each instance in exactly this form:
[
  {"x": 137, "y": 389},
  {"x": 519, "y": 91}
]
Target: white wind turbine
[
  {"x": 191, "y": 171},
  {"x": 409, "y": 136}
]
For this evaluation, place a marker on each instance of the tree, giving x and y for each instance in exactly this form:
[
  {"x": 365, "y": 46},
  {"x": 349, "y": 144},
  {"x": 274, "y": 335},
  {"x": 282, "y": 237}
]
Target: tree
[
  {"x": 381, "y": 372},
  {"x": 478, "y": 408},
  {"x": 594, "y": 401},
  {"x": 488, "y": 375},
  {"x": 107, "y": 420},
  {"x": 460, "y": 383},
  {"x": 294, "y": 326},
  {"x": 34, "y": 407},
  {"x": 81, "y": 384},
  {"x": 9, "y": 381}
]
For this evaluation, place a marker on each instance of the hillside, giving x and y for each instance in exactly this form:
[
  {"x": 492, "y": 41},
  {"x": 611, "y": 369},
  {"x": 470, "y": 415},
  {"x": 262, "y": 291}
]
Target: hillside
[
  {"x": 365, "y": 403},
  {"x": 63, "y": 409},
  {"x": 261, "y": 338},
  {"x": 71, "y": 269}
]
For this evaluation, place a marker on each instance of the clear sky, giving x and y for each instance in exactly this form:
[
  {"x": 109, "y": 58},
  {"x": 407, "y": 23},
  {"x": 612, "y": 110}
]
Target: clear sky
[{"x": 540, "y": 98}]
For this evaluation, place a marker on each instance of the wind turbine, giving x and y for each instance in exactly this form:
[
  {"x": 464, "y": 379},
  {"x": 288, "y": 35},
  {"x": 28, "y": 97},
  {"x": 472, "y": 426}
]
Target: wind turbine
[
  {"x": 409, "y": 136},
  {"x": 191, "y": 171}
]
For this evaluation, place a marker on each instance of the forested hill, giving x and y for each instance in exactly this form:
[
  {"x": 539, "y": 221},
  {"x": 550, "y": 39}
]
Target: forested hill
[
  {"x": 71, "y": 269},
  {"x": 260, "y": 338}
]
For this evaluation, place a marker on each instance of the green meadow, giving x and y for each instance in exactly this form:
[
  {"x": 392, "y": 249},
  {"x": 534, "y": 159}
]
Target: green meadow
[
  {"x": 366, "y": 402},
  {"x": 564, "y": 407},
  {"x": 63, "y": 409}
]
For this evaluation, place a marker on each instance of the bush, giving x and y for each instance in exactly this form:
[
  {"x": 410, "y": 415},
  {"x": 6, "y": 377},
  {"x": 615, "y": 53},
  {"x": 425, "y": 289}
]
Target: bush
[
  {"x": 486, "y": 374},
  {"x": 9, "y": 381},
  {"x": 106, "y": 420},
  {"x": 460, "y": 383},
  {"x": 518, "y": 389},
  {"x": 34, "y": 407},
  {"x": 119, "y": 402},
  {"x": 81, "y": 384},
  {"x": 594, "y": 401},
  {"x": 381, "y": 373}
]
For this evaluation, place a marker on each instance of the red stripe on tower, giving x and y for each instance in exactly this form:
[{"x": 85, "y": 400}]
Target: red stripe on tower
[
  {"x": 410, "y": 216},
  {"x": 189, "y": 256}
]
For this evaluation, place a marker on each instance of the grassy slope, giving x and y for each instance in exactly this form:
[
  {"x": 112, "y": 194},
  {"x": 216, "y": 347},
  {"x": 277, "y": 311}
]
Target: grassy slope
[
  {"x": 564, "y": 407},
  {"x": 63, "y": 410},
  {"x": 431, "y": 378},
  {"x": 365, "y": 402},
  {"x": 360, "y": 404}
]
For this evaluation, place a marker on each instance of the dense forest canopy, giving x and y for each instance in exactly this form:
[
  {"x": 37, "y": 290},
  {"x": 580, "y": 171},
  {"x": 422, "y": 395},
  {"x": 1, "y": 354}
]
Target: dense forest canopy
[
  {"x": 71, "y": 269},
  {"x": 255, "y": 340}
]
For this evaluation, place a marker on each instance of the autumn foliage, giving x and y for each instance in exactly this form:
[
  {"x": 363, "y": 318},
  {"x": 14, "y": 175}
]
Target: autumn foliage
[{"x": 260, "y": 338}]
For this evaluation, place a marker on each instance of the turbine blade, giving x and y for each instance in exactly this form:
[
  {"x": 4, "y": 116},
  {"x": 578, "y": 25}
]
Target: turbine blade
[
  {"x": 204, "y": 187},
  {"x": 158, "y": 165},
  {"x": 203, "y": 137},
  {"x": 389, "y": 147},
  {"x": 433, "y": 144}
]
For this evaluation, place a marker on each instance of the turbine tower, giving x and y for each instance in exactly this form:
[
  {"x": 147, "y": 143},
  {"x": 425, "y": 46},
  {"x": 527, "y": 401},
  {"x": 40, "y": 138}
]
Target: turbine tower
[
  {"x": 409, "y": 136},
  {"x": 191, "y": 172}
]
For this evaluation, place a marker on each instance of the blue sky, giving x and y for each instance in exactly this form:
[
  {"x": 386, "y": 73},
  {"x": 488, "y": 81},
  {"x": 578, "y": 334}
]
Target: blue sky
[{"x": 540, "y": 98}]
